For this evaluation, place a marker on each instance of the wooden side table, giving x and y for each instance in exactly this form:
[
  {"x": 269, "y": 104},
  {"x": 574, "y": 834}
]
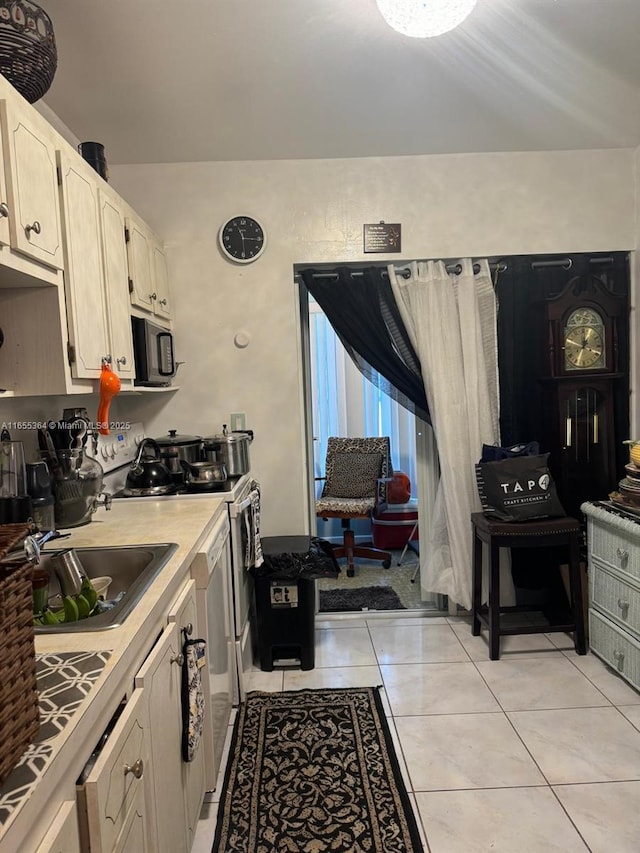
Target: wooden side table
[{"x": 541, "y": 533}]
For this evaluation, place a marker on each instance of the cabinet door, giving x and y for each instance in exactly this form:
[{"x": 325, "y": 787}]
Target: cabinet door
[
  {"x": 162, "y": 304},
  {"x": 160, "y": 678},
  {"x": 32, "y": 187},
  {"x": 62, "y": 835},
  {"x": 116, "y": 279},
  {"x": 4, "y": 202},
  {"x": 134, "y": 837},
  {"x": 84, "y": 283},
  {"x": 115, "y": 790},
  {"x": 183, "y": 614},
  {"x": 140, "y": 265}
]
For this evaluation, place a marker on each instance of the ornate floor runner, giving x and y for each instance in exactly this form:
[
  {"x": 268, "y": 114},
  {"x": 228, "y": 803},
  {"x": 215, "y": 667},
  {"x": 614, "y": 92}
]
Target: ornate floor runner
[{"x": 313, "y": 771}]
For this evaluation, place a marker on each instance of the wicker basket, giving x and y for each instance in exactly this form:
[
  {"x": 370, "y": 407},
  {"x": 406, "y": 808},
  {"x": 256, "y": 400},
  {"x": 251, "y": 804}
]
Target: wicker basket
[
  {"x": 19, "y": 716},
  {"x": 28, "y": 54}
]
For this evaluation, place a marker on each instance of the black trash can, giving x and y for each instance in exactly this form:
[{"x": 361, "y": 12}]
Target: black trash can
[{"x": 285, "y": 598}]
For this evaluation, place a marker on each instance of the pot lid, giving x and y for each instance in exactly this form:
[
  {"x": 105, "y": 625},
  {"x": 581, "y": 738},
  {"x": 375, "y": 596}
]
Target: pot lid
[
  {"x": 175, "y": 440},
  {"x": 229, "y": 436}
]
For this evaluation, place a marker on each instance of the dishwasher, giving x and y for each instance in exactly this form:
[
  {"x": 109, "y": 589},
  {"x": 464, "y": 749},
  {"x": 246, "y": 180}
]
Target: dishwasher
[{"x": 211, "y": 570}]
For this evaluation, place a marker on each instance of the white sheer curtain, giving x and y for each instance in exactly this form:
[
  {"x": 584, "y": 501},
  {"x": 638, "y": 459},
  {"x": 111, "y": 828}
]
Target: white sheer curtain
[
  {"x": 345, "y": 403},
  {"x": 452, "y": 322}
]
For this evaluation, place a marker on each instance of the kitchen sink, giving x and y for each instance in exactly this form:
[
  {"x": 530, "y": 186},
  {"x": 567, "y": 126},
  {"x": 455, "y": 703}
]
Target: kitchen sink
[{"x": 131, "y": 568}]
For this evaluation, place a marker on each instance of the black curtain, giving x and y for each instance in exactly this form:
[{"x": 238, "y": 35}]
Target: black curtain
[{"x": 362, "y": 309}]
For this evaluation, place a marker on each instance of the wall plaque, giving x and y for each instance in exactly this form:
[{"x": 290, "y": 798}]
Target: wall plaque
[{"x": 382, "y": 237}]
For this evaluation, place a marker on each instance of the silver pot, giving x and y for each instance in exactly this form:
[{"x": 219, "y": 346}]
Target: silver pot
[
  {"x": 176, "y": 448},
  {"x": 204, "y": 474},
  {"x": 231, "y": 448}
]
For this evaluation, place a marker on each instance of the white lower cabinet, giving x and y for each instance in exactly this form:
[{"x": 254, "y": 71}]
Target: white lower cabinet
[
  {"x": 177, "y": 788},
  {"x": 113, "y": 799},
  {"x": 62, "y": 835}
]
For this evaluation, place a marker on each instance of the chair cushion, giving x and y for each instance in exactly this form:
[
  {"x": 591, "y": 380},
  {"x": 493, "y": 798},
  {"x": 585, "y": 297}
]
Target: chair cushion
[
  {"x": 354, "y": 475},
  {"x": 345, "y": 506}
]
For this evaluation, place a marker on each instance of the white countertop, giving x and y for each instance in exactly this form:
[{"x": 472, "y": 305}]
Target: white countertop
[{"x": 185, "y": 522}]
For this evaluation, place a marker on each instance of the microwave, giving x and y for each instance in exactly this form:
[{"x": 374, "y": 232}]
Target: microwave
[{"x": 153, "y": 353}]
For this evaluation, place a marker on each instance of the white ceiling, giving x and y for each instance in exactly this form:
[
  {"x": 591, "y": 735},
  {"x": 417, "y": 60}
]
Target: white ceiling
[{"x": 188, "y": 80}]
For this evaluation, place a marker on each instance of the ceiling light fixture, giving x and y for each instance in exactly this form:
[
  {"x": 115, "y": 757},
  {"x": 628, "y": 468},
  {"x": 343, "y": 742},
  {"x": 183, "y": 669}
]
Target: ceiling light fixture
[{"x": 425, "y": 18}]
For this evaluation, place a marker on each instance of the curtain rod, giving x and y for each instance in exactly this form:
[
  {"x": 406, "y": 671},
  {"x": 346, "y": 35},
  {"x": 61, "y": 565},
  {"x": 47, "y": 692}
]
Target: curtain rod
[
  {"x": 456, "y": 269},
  {"x": 567, "y": 263}
]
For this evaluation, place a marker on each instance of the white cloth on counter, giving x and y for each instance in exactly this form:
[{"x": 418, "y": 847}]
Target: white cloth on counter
[{"x": 253, "y": 546}]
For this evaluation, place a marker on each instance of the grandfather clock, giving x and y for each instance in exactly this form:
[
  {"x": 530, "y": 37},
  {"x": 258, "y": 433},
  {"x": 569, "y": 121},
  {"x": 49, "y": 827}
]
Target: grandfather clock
[{"x": 582, "y": 374}]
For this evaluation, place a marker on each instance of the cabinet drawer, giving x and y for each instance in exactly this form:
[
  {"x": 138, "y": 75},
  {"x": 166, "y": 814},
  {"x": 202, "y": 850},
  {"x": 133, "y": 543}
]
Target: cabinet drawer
[
  {"x": 112, "y": 789},
  {"x": 615, "y": 647},
  {"x": 619, "y": 600},
  {"x": 616, "y": 548}
]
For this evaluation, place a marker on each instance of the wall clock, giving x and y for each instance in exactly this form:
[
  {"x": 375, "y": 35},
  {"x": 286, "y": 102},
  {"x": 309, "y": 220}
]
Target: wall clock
[{"x": 242, "y": 239}]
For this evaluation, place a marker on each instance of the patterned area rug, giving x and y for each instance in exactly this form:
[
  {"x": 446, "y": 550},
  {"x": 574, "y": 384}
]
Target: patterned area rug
[
  {"x": 314, "y": 771},
  {"x": 360, "y": 598}
]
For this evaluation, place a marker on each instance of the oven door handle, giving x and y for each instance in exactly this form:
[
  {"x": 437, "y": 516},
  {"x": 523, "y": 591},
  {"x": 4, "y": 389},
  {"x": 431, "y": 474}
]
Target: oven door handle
[{"x": 239, "y": 508}]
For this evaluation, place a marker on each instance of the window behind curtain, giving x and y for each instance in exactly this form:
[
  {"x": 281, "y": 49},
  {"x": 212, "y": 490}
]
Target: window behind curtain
[{"x": 347, "y": 404}]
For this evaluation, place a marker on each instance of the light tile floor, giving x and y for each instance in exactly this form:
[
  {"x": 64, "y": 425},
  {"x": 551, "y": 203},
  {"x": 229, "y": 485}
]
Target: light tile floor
[{"x": 534, "y": 753}]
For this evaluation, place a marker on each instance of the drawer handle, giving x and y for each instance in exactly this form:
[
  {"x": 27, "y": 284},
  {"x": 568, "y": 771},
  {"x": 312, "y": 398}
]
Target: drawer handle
[
  {"x": 36, "y": 228},
  {"x": 137, "y": 768},
  {"x": 622, "y": 554},
  {"x": 619, "y": 658},
  {"x": 624, "y": 606},
  {"x": 179, "y": 659}
]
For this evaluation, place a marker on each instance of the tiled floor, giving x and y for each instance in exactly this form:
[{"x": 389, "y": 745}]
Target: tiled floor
[{"x": 534, "y": 753}]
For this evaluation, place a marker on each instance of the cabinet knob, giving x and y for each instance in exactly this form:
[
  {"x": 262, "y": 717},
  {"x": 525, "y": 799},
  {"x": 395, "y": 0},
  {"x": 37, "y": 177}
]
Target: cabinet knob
[
  {"x": 163, "y": 302},
  {"x": 153, "y": 295},
  {"x": 624, "y": 606},
  {"x": 179, "y": 659},
  {"x": 36, "y": 228},
  {"x": 122, "y": 360},
  {"x": 619, "y": 659},
  {"x": 137, "y": 768},
  {"x": 4, "y": 210},
  {"x": 188, "y": 629},
  {"x": 622, "y": 555}
]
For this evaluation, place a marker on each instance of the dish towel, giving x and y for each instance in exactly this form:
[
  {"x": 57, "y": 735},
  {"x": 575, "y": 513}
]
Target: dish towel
[
  {"x": 192, "y": 696},
  {"x": 253, "y": 546}
]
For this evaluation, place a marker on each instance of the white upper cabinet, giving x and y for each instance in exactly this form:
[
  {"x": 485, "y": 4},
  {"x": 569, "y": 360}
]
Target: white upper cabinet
[
  {"x": 149, "y": 280},
  {"x": 32, "y": 188},
  {"x": 140, "y": 264},
  {"x": 4, "y": 202},
  {"x": 84, "y": 280},
  {"x": 116, "y": 278},
  {"x": 162, "y": 304}
]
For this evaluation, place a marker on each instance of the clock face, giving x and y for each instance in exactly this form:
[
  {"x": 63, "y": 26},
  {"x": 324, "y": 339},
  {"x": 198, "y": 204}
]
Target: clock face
[
  {"x": 584, "y": 345},
  {"x": 242, "y": 239}
]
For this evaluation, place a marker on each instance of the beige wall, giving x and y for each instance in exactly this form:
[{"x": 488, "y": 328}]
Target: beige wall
[{"x": 313, "y": 211}]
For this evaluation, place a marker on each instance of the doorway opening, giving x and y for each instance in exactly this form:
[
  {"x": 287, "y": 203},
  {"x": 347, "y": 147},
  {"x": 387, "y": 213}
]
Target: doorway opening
[{"x": 342, "y": 402}]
